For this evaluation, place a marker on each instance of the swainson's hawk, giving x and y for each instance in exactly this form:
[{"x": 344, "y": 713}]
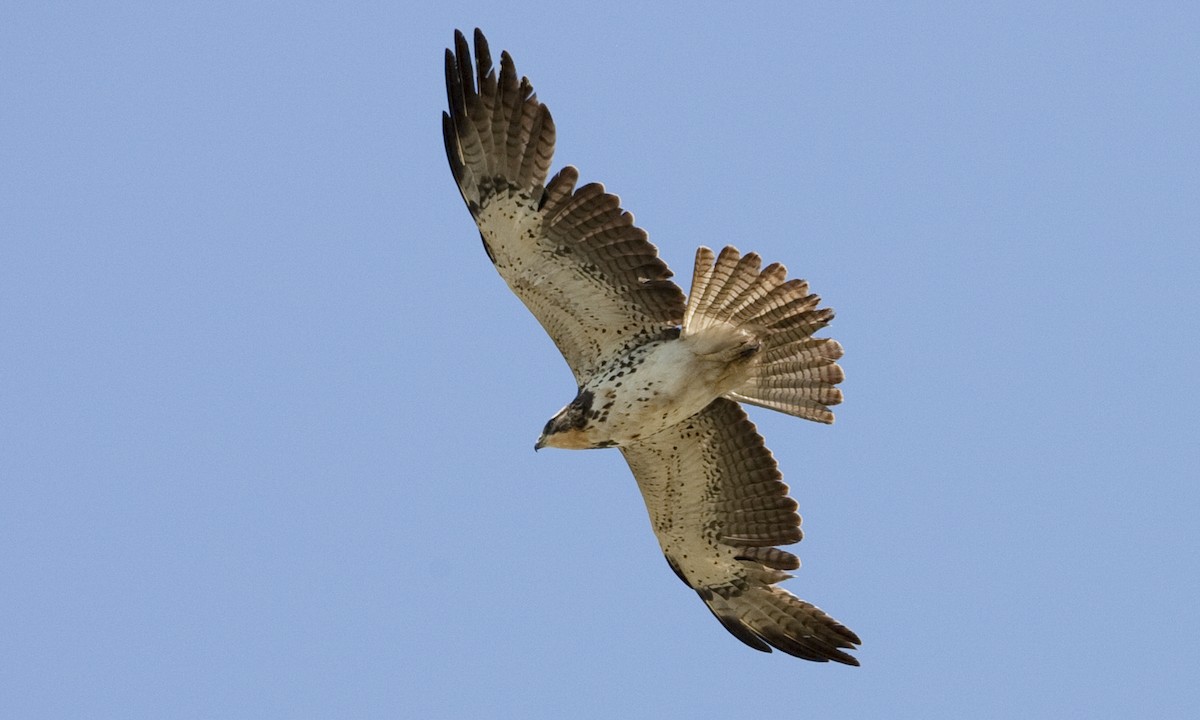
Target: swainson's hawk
[{"x": 659, "y": 375}]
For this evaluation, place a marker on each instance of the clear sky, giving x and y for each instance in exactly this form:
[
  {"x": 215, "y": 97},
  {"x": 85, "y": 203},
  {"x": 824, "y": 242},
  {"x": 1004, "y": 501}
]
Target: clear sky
[{"x": 267, "y": 412}]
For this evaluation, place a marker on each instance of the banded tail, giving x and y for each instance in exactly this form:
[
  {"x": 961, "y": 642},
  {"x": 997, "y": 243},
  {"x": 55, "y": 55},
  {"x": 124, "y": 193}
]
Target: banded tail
[{"x": 796, "y": 373}]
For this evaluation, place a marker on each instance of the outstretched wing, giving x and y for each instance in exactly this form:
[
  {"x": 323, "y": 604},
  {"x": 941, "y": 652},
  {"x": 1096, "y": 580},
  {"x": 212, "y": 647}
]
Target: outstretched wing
[
  {"x": 572, "y": 255},
  {"x": 719, "y": 507}
]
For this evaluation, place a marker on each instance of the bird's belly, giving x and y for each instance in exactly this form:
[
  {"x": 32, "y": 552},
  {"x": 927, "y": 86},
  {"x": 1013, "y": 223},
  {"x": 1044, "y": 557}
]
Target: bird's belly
[{"x": 654, "y": 388}]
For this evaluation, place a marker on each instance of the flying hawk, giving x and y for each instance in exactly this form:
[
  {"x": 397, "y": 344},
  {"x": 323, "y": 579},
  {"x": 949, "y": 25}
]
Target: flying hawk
[{"x": 659, "y": 376}]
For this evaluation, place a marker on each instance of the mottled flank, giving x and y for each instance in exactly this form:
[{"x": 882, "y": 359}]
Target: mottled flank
[{"x": 657, "y": 377}]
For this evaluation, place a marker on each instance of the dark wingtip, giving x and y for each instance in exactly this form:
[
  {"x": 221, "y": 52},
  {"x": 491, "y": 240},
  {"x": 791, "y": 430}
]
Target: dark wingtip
[
  {"x": 740, "y": 631},
  {"x": 450, "y": 138}
]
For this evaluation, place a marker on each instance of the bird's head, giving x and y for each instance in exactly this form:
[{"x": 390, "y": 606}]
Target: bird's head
[{"x": 567, "y": 428}]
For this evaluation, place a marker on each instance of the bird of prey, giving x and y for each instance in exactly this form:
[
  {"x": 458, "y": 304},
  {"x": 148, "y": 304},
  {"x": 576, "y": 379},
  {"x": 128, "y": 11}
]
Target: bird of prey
[{"x": 659, "y": 376}]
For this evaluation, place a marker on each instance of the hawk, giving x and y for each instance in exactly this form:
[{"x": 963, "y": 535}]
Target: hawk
[{"x": 659, "y": 376}]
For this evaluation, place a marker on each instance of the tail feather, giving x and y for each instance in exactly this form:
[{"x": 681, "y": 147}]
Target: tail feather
[
  {"x": 795, "y": 372},
  {"x": 713, "y": 281},
  {"x": 813, "y": 351},
  {"x": 787, "y": 402},
  {"x": 741, "y": 277},
  {"x": 802, "y": 371},
  {"x": 777, "y": 293},
  {"x": 780, "y": 390},
  {"x": 701, "y": 273},
  {"x": 772, "y": 277},
  {"x": 797, "y": 312}
]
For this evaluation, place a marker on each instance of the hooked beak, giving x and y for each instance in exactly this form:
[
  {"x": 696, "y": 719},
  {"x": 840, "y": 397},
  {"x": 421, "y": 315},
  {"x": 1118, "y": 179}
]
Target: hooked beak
[{"x": 541, "y": 443}]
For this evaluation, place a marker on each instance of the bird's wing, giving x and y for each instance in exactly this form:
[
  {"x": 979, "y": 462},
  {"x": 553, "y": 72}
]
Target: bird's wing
[
  {"x": 719, "y": 507},
  {"x": 572, "y": 255}
]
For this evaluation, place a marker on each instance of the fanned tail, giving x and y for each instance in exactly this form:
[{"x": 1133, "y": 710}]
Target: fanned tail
[{"x": 795, "y": 373}]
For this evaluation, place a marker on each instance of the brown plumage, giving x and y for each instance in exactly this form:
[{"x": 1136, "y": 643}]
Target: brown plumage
[
  {"x": 572, "y": 255},
  {"x": 719, "y": 508},
  {"x": 657, "y": 376}
]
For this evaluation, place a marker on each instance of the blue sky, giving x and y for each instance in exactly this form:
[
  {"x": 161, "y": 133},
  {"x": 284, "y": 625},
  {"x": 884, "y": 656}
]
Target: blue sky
[{"x": 268, "y": 412}]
